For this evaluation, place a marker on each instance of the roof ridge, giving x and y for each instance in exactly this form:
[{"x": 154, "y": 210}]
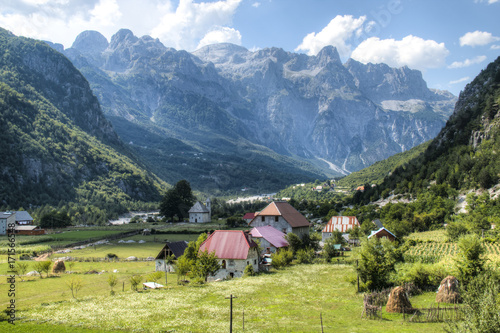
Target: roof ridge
[{"x": 275, "y": 205}]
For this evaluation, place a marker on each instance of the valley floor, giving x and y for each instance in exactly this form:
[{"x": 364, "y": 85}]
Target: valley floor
[{"x": 298, "y": 299}]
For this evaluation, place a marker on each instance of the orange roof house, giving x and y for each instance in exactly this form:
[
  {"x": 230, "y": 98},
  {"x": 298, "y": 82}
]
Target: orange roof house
[{"x": 283, "y": 217}]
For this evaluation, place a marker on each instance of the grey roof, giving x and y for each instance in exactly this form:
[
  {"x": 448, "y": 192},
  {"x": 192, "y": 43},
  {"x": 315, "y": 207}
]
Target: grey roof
[
  {"x": 378, "y": 223},
  {"x": 177, "y": 249},
  {"x": 199, "y": 208}
]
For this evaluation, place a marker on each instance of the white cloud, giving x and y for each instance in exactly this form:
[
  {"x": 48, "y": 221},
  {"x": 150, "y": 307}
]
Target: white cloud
[
  {"x": 185, "y": 27},
  {"x": 468, "y": 62},
  {"x": 495, "y": 47},
  {"x": 411, "y": 51},
  {"x": 58, "y": 20},
  {"x": 221, "y": 35},
  {"x": 256, "y": 4},
  {"x": 337, "y": 33},
  {"x": 477, "y": 38},
  {"x": 464, "y": 79}
]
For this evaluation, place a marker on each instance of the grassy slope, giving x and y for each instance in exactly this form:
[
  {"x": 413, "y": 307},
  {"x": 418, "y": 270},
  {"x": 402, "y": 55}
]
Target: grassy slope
[{"x": 286, "y": 301}]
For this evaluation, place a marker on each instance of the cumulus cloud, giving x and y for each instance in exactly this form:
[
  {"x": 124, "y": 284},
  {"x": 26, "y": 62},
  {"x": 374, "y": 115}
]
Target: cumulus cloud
[
  {"x": 337, "y": 33},
  {"x": 464, "y": 79},
  {"x": 190, "y": 23},
  {"x": 495, "y": 47},
  {"x": 58, "y": 20},
  {"x": 477, "y": 38},
  {"x": 468, "y": 62},
  {"x": 221, "y": 35},
  {"x": 256, "y": 4},
  {"x": 411, "y": 51}
]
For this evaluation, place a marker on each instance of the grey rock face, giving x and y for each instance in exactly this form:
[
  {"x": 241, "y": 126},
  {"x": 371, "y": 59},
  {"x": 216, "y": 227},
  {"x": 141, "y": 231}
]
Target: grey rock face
[{"x": 310, "y": 107}]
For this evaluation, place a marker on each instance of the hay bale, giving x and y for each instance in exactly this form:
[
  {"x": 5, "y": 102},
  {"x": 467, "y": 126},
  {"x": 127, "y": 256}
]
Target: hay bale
[
  {"x": 448, "y": 291},
  {"x": 58, "y": 267},
  {"x": 398, "y": 301}
]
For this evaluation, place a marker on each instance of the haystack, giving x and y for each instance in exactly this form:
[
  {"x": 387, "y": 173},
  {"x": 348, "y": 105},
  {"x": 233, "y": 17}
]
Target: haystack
[
  {"x": 398, "y": 301},
  {"x": 59, "y": 267},
  {"x": 448, "y": 291}
]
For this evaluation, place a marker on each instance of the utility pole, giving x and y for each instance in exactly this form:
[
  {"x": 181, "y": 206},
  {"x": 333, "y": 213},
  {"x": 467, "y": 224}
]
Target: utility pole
[
  {"x": 357, "y": 272},
  {"x": 165, "y": 265},
  {"x": 231, "y": 312}
]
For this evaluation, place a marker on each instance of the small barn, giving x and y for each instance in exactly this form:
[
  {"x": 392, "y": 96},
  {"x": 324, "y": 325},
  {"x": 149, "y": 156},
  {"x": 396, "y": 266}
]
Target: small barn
[
  {"x": 383, "y": 233},
  {"x": 234, "y": 249},
  {"x": 339, "y": 223},
  {"x": 270, "y": 238},
  {"x": 248, "y": 217},
  {"x": 175, "y": 249}
]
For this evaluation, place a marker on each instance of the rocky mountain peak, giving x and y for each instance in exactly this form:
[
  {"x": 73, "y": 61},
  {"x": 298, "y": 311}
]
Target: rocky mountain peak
[
  {"x": 123, "y": 36},
  {"x": 90, "y": 42},
  {"x": 328, "y": 54}
]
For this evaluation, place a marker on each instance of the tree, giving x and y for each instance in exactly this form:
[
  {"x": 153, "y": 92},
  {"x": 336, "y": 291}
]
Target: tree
[
  {"x": 112, "y": 281},
  {"x": 42, "y": 266},
  {"x": 470, "y": 261},
  {"x": 206, "y": 264},
  {"x": 294, "y": 242},
  {"x": 177, "y": 201},
  {"x": 21, "y": 268},
  {"x": 75, "y": 284},
  {"x": 377, "y": 261},
  {"x": 135, "y": 280},
  {"x": 55, "y": 219},
  {"x": 183, "y": 266}
]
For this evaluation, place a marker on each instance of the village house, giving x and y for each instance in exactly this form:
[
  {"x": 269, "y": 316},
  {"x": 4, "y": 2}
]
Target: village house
[
  {"x": 383, "y": 233},
  {"x": 234, "y": 249},
  {"x": 175, "y": 249},
  {"x": 248, "y": 217},
  {"x": 339, "y": 223},
  {"x": 283, "y": 217},
  {"x": 6, "y": 218},
  {"x": 270, "y": 239},
  {"x": 201, "y": 213}
]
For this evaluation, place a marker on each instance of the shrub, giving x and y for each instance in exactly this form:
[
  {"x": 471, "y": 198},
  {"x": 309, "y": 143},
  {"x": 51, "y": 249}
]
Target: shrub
[
  {"x": 112, "y": 256},
  {"x": 249, "y": 271},
  {"x": 305, "y": 256},
  {"x": 377, "y": 261},
  {"x": 470, "y": 261},
  {"x": 424, "y": 276},
  {"x": 135, "y": 280},
  {"x": 282, "y": 258}
]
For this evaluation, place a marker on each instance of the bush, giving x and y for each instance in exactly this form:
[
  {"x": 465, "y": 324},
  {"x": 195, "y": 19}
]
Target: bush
[
  {"x": 305, "y": 256},
  {"x": 112, "y": 256},
  {"x": 249, "y": 271},
  {"x": 282, "y": 258},
  {"x": 424, "y": 276},
  {"x": 377, "y": 261},
  {"x": 135, "y": 280}
]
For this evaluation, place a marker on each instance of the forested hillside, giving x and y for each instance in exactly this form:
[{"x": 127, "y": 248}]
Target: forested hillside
[
  {"x": 465, "y": 153},
  {"x": 56, "y": 144}
]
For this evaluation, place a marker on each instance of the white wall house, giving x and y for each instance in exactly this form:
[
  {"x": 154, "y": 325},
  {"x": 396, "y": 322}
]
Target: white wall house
[
  {"x": 234, "y": 249},
  {"x": 283, "y": 217},
  {"x": 201, "y": 213}
]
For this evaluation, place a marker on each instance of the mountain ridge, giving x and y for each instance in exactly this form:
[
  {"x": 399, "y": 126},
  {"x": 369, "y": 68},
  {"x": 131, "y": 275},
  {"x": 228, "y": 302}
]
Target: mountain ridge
[{"x": 310, "y": 109}]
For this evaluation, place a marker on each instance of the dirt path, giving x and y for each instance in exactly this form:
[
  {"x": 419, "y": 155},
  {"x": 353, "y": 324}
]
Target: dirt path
[{"x": 43, "y": 257}]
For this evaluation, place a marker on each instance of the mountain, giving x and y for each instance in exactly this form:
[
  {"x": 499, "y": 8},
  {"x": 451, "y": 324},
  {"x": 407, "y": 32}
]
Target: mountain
[
  {"x": 464, "y": 155},
  {"x": 261, "y": 119},
  {"x": 57, "y": 144}
]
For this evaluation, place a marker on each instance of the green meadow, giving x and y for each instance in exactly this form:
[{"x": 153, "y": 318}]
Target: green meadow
[{"x": 295, "y": 299}]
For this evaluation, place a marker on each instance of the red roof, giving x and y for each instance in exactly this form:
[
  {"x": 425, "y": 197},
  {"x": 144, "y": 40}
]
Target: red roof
[
  {"x": 284, "y": 209},
  {"x": 248, "y": 216},
  {"x": 341, "y": 223},
  {"x": 228, "y": 244}
]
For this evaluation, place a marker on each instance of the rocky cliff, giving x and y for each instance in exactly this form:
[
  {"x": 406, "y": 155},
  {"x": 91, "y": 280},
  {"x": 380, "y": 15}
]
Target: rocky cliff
[{"x": 311, "y": 109}]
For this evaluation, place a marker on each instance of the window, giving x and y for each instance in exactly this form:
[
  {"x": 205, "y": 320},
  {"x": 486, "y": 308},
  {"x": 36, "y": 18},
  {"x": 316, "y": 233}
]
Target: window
[
  {"x": 255, "y": 261},
  {"x": 262, "y": 218},
  {"x": 276, "y": 218},
  {"x": 248, "y": 262},
  {"x": 223, "y": 264}
]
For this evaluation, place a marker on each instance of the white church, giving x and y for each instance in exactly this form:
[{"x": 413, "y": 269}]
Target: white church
[{"x": 201, "y": 213}]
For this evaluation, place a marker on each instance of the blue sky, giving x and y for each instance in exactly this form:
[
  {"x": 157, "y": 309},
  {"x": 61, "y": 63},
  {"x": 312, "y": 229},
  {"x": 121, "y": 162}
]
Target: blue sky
[{"x": 450, "y": 41}]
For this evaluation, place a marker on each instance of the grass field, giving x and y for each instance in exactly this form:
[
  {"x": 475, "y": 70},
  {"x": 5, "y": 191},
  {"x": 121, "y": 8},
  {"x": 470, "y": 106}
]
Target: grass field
[{"x": 290, "y": 300}]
